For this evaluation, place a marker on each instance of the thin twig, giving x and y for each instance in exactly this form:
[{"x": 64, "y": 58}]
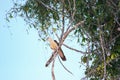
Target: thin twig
[
  {"x": 88, "y": 54},
  {"x": 52, "y": 70},
  {"x": 57, "y": 35},
  {"x": 117, "y": 21},
  {"x": 63, "y": 23},
  {"x": 65, "y": 67},
  {"x": 75, "y": 49},
  {"x": 69, "y": 25},
  {"x": 48, "y": 7},
  {"x": 113, "y": 3},
  {"x": 74, "y": 9},
  {"x": 68, "y": 31},
  {"x": 69, "y": 7},
  {"x": 73, "y": 28}
]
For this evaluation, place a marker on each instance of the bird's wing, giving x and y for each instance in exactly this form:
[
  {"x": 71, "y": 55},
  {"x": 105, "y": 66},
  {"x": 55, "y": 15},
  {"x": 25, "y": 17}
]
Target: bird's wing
[{"x": 60, "y": 52}]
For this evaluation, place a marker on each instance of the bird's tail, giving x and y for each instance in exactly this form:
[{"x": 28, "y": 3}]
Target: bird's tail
[{"x": 60, "y": 52}]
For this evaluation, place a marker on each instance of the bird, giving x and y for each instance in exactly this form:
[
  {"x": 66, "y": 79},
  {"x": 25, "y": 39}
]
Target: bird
[{"x": 54, "y": 45}]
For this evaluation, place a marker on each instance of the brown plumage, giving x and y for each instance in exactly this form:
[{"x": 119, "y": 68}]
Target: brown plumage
[
  {"x": 60, "y": 52},
  {"x": 54, "y": 45}
]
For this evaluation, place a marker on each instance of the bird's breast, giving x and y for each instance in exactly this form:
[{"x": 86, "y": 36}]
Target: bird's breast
[{"x": 53, "y": 45}]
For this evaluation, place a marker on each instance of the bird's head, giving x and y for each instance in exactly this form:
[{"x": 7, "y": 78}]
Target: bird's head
[{"x": 49, "y": 39}]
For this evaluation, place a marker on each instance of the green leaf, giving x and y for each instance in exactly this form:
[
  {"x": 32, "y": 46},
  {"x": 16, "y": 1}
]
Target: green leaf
[
  {"x": 83, "y": 39},
  {"x": 54, "y": 29},
  {"x": 84, "y": 59},
  {"x": 10, "y": 16}
]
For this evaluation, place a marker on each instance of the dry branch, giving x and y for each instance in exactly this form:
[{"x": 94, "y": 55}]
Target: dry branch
[
  {"x": 75, "y": 49},
  {"x": 47, "y": 6},
  {"x": 52, "y": 71},
  {"x": 74, "y": 9},
  {"x": 73, "y": 28},
  {"x": 65, "y": 67}
]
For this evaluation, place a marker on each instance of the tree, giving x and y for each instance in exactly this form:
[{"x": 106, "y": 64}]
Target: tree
[{"x": 96, "y": 21}]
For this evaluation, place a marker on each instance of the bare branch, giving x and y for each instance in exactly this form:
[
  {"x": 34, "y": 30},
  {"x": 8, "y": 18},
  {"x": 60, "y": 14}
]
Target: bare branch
[
  {"x": 52, "y": 71},
  {"x": 63, "y": 21},
  {"x": 113, "y": 3},
  {"x": 65, "y": 67},
  {"x": 57, "y": 35},
  {"x": 73, "y": 28},
  {"x": 75, "y": 49},
  {"x": 66, "y": 34},
  {"x": 69, "y": 4},
  {"x": 74, "y": 9},
  {"x": 70, "y": 24},
  {"x": 68, "y": 31}
]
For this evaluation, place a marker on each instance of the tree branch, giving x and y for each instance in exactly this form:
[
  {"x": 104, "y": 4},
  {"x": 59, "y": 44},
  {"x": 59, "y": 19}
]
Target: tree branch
[
  {"x": 63, "y": 22},
  {"x": 73, "y": 28},
  {"x": 75, "y": 49},
  {"x": 103, "y": 52},
  {"x": 74, "y": 9},
  {"x": 88, "y": 44},
  {"x": 48, "y": 7},
  {"x": 52, "y": 70},
  {"x": 68, "y": 31},
  {"x": 65, "y": 67}
]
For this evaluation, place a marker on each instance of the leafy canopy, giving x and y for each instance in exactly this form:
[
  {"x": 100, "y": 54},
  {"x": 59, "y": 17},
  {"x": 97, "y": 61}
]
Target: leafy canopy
[{"x": 100, "y": 31}]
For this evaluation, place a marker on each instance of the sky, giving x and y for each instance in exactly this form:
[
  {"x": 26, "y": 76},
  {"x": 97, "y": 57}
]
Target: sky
[{"x": 23, "y": 55}]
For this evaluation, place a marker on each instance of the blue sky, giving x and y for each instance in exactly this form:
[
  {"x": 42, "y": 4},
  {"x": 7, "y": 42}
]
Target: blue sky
[{"x": 23, "y": 55}]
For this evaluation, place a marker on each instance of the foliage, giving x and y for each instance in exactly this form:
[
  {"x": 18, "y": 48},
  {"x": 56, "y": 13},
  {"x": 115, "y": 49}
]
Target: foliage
[{"x": 100, "y": 30}]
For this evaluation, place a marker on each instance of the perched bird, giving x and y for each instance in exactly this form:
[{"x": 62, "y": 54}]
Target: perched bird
[{"x": 54, "y": 45}]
